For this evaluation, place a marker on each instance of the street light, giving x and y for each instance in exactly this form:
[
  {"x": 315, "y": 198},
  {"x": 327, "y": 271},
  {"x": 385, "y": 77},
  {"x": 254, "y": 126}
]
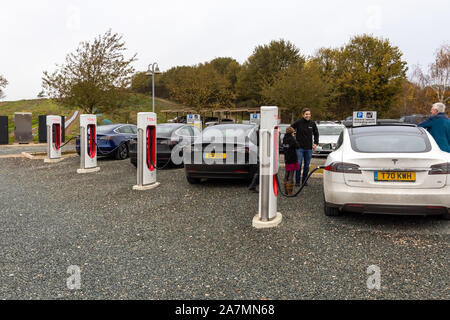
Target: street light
[{"x": 152, "y": 70}]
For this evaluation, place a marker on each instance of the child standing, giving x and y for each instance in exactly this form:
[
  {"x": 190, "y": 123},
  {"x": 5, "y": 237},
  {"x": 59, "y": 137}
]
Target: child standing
[{"x": 290, "y": 145}]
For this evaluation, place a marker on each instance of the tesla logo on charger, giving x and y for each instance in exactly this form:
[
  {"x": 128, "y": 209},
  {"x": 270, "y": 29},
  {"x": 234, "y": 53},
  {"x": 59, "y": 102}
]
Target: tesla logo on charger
[
  {"x": 91, "y": 120},
  {"x": 395, "y": 161},
  {"x": 151, "y": 119}
]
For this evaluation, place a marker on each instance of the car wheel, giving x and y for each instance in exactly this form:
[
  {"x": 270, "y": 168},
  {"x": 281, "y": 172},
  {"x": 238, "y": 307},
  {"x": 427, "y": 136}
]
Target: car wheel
[
  {"x": 192, "y": 180},
  {"x": 446, "y": 216},
  {"x": 122, "y": 152},
  {"x": 331, "y": 211}
]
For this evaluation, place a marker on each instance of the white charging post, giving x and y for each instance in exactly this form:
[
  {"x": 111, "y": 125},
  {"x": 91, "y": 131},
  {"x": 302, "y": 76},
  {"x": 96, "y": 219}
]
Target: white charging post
[
  {"x": 88, "y": 144},
  {"x": 146, "y": 151},
  {"x": 53, "y": 139},
  {"x": 268, "y": 216}
]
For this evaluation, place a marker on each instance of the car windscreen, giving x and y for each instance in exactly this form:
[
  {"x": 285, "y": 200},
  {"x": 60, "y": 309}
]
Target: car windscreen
[
  {"x": 393, "y": 142},
  {"x": 164, "y": 130},
  {"x": 283, "y": 129},
  {"x": 330, "y": 130},
  {"x": 105, "y": 129},
  {"x": 225, "y": 132}
]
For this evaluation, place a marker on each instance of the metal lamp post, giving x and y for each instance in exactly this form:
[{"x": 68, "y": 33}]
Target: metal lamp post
[{"x": 152, "y": 70}]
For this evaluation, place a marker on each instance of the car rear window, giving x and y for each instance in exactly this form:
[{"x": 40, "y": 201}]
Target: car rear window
[
  {"x": 390, "y": 143},
  {"x": 226, "y": 132},
  {"x": 330, "y": 130},
  {"x": 164, "y": 130}
]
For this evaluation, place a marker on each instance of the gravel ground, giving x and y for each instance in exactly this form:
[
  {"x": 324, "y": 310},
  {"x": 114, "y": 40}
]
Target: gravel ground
[
  {"x": 196, "y": 242},
  {"x": 16, "y": 149}
]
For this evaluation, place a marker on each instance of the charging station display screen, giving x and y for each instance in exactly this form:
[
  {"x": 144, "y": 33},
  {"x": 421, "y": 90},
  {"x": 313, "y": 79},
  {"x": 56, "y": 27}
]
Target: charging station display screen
[
  {"x": 56, "y": 133},
  {"x": 151, "y": 147},
  {"x": 91, "y": 140}
]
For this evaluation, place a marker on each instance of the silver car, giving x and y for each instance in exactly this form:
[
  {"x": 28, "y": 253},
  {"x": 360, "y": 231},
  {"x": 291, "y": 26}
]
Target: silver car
[{"x": 328, "y": 136}]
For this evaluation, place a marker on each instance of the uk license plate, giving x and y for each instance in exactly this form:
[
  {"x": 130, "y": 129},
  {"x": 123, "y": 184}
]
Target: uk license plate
[
  {"x": 400, "y": 176},
  {"x": 215, "y": 155}
]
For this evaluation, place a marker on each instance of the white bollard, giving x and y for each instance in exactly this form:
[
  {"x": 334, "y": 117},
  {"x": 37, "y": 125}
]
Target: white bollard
[
  {"x": 88, "y": 144},
  {"x": 53, "y": 139},
  {"x": 268, "y": 216},
  {"x": 146, "y": 151}
]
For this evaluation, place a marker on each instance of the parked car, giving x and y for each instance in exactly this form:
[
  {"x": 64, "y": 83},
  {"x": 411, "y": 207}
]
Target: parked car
[
  {"x": 210, "y": 119},
  {"x": 179, "y": 119},
  {"x": 113, "y": 140},
  {"x": 389, "y": 169},
  {"x": 168, "y": 135},
  {"x": 282, "y": 130},
  {"x": 328, "y": 136},
  {"x": 217, "y": 153},
  {"x": 413, "y": 118},
  {"x": 216, "y": 122}
]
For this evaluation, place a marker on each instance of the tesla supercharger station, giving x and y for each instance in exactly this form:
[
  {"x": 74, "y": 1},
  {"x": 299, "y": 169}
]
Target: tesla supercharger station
[
  {"x": 268, "y": 216},
  {"x": 146, "y": 151},
  {"x": 53, "y": 139},
  {"x": 88, "y": 144}
]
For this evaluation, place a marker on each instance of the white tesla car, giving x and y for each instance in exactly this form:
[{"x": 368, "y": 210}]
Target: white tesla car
[{"x": 389, "y": 169}]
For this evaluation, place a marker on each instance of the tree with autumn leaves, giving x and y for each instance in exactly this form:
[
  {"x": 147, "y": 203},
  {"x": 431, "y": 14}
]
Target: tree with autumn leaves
[{"x": 96, "y": 74}]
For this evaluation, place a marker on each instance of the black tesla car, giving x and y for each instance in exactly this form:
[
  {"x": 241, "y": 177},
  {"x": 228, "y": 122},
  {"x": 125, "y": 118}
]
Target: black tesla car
[
  {"x": 168, "y": 135},
  {"x": 228, "y": 151}
]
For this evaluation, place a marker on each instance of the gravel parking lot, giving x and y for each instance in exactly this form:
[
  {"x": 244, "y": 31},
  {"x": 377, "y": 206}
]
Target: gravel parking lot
[{"x": 182, "y": 241}]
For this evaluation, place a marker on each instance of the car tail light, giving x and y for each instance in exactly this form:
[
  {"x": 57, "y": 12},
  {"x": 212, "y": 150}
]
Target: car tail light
[
  {"x": 343, "y": 167},
  {"x": 241, "y": 149},
  {"x": 442, "y": 168},
  {"x": 168, "y": 142}
]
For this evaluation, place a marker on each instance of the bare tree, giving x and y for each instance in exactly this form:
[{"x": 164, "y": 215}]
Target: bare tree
[
  {"x": 94, "y": 75},
  {"x": 3, "y": 84},
  {"x": 438, "y": 76}
]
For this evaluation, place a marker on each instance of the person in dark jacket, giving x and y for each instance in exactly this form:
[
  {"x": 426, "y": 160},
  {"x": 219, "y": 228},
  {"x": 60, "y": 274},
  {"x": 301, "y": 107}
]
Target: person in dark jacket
[
  {"x": 290, "y": 146},
  {"x": 306, "y": 132},
  {"x": 438, "y": 124}
]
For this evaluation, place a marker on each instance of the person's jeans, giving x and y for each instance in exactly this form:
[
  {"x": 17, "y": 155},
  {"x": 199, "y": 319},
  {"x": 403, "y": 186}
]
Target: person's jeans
[{"x": 306, "y": 155}]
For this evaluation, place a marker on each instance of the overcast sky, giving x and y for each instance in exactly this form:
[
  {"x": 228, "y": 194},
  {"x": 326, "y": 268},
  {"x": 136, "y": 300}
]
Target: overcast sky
[{"x": 35, "y": 35}]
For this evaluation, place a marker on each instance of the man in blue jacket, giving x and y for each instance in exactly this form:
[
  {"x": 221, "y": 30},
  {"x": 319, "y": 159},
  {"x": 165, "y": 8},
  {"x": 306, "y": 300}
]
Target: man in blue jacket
[{"x": 438, "y": 124}]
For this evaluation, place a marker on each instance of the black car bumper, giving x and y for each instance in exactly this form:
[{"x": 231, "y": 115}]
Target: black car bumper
[
  {"x": 228, "y": 171},
  {"x": 161, "y": 157},
  {"x": 391, "y": 209}
]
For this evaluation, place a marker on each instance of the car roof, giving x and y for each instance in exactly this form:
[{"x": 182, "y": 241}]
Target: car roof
[
  {"x": 234, "y": 125},
  {"x": 405, "y": 129},
  {"x": 171, "y": 124},
  {"x": 329, "y": 124},
  {"x": 110, "y": 127}
]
